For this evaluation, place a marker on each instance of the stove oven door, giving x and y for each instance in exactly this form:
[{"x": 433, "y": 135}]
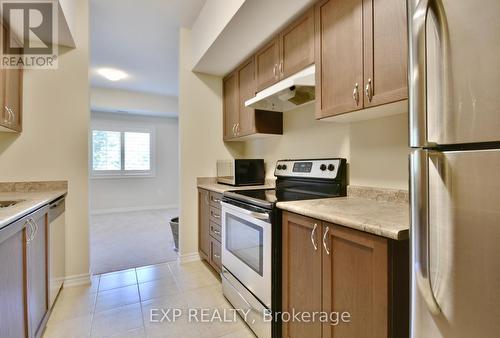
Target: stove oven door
[{"x": 246, "y": 248}]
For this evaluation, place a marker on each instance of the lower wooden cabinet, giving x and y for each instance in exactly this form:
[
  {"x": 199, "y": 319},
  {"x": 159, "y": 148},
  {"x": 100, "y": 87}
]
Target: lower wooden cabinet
[
  {"x": 209, "y": 228},
  {"x": 24, "y": 277},
  {"x": 37, "y": 273},
  {"x": 204, "y": 223},
  {"x": 333, "y": 269},
  {"x": 12, "y": 291}
]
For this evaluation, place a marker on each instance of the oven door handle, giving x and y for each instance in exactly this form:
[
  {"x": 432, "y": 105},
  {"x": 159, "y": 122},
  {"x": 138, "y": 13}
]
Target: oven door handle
[
  {"x": 252, "y": 308},
  {"x": 258, "y": 215}
]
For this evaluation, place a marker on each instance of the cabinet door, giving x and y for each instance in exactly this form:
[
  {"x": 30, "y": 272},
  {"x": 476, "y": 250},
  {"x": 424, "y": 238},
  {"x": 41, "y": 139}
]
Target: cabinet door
[
  {"x": 215, "y": 255},
  {"x": 355, "y": 280},
  {"x": 385, "y": 52},
  {"x": 339, "y": 57},
  {"x": 38, "y": 298},
  {"x": 203, "y": 224},
  {"x": 266, "y": 64},
  {"x": 12, "y": 291},
  {"x": 13, "y": 97},
  {"x": 297, "y": 45},
  {"x": 246, "y": 90},
  {"x": 231, "y": 111},
  {"x": 301, "y": 269}
]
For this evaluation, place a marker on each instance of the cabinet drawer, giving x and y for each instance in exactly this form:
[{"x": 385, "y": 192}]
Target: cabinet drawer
[
  {"x": 215, "y": 215},
  {"x": 215, "y": 255},
  {"x": 215, "y": 199},
  {"x": 215, "y": 231}
]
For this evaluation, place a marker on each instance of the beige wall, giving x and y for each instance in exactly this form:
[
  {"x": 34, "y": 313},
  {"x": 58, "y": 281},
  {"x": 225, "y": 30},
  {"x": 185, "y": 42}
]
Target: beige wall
[
  {"x": 54, "y": 141},
  {"x": 159, "y": 191},
  {"x": 376, "y": 149},
  {"x": 200, "y": 139}
]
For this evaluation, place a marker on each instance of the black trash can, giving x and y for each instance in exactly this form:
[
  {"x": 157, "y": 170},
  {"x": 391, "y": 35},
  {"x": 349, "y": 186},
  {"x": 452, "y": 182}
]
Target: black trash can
[{"x": 174, "y": 226}]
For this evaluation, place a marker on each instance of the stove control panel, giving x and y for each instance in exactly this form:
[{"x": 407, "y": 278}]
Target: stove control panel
[{"x": 320, "y": 168}]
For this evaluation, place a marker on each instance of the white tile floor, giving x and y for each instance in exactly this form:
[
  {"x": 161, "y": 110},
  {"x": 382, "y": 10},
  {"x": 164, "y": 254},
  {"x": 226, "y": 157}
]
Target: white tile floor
[{"x": 119, "y": 305}]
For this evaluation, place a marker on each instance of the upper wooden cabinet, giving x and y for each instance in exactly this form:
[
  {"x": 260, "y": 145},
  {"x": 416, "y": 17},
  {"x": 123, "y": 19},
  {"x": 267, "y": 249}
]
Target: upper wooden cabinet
[
  {"x": 241, "y": 121},
  {"x": 361, "y": 58},
  {"x": 297, "y": 45},
  {"x": 11, "y": 96},
  {"x": 267, "y": 60},
  {"x": 386, "y": 51},
  {"x": 330, "y": 268},
  {"x": 289, "y": 52}
]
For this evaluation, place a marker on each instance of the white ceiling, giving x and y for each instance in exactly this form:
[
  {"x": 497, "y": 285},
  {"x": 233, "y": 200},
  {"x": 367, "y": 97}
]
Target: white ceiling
[{"x": 142, "y": 39}]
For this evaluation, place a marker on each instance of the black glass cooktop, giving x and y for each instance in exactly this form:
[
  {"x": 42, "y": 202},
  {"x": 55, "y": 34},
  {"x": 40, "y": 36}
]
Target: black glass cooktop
[{"x": 272, "y": 196}]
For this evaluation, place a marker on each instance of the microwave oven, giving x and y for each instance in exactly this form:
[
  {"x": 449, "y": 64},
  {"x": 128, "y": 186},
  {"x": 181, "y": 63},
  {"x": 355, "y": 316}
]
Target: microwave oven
[{"x": 239, "y": 172}]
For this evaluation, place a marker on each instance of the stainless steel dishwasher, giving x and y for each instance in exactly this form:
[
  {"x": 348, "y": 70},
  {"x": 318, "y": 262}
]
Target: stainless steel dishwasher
[{"x": 57, "y": 248}]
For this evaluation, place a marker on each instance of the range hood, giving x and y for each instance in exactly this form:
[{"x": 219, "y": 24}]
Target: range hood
[{"x": 290, "y": 93}]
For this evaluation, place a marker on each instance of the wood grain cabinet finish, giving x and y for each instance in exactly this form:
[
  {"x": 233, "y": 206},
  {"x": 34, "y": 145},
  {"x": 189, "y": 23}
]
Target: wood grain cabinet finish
[
  {"x": 297, "y": 45},
  {"x": 355, "y": 279},
  {"x": 230, "y": 105},
  {"x": 339, "y": 57},
  {"x": 11, "y": 96},
  {"x": 385, "y": 52},
  {"x": 37, "y": 271},
  {"x": 209, "y": 228},
  {"x": 360, "y": 54},
  {"x": 301, "y": 272},
  {"x": 13, "y": 311},
  {"x": 331, "y": 268},
  {"x": 267, "y": 61},
  {"x": 241, "y": 121},
  {"x": 286, "y": 54},
  {"x": 204, "y": 223}
]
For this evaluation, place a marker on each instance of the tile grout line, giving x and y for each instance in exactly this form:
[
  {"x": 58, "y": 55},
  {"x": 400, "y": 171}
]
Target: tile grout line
[
  {"x": 94, "y": 307},
  {"x": 140, "y": 302}
]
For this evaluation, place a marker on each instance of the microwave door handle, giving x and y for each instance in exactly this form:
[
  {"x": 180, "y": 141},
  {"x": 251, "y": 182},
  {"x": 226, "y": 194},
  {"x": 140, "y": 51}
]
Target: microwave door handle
[{"x": 420, "y": 226}]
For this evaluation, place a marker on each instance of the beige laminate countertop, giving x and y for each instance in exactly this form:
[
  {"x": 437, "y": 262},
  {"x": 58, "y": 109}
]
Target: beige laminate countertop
[
  {"x": 31, "y": 201},
  {"x": 212, "y": 185},
  {"x": 382, "y": 218}
]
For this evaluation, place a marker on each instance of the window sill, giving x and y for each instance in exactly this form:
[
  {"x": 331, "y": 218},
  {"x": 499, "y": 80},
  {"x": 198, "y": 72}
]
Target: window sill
[{"x": 120, "y": 176}]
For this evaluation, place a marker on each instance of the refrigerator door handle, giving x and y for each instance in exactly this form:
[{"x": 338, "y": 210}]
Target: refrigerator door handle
[
  {"x": 417, "y": 94},
  {"x": 420, "y": 227}
]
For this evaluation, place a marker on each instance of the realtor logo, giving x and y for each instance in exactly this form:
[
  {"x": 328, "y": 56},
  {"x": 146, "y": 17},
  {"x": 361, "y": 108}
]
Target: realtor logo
[{"x": 29, "y": 35}]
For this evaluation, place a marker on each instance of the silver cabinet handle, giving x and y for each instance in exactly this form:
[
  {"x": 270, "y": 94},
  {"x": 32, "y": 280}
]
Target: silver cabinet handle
[
  {"x": 281, "y": 68},
  {"x": 35, "y": 225},
  {"x": 29, "y": 231},
  {"x": 217, "y": 256},
  {"x": 355, "y": 94},
  {"x": 313, "y": 235},
  {"x": 369, "y": 90},
  {"x": 274, "y": 70},
  {"x": 10, "y": 117},
  {"x": 420, "y": 227},
  {"x": 327, "y": 229},
  {"x": 234, "y": 129},
  {"x": 215, "y": 200},
  {"x": 417, "y": 97},
  {"x": 217, "y": 232},
  {"x": 214, "y": 215}
]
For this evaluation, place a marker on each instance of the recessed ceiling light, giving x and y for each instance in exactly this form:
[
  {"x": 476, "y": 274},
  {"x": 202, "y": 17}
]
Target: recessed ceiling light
[{"x": 112, "y": 74}]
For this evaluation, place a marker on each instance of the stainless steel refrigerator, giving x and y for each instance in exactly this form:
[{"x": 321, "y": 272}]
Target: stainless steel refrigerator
[{"x": 454, "y": 98}]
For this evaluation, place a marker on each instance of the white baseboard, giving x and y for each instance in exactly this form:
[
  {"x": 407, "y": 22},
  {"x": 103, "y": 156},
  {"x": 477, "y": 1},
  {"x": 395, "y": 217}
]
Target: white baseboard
[
  {"x": 130, "y": 209},
  {"x": 190, "y": 257},
  {"x": 77, "y": 280}
]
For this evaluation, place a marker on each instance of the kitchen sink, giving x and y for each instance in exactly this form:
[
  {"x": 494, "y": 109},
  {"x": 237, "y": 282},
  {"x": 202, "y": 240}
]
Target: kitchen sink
[{"x": 6, "y": 204}]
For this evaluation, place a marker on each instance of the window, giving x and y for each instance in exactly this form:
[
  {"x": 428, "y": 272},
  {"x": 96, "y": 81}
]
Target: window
[{"x": 122, "y": 152}]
